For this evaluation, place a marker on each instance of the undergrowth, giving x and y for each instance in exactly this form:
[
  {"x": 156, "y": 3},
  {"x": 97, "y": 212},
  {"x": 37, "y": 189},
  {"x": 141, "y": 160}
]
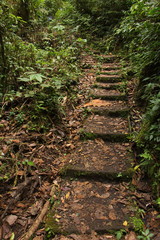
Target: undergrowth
[{"x": 137, "y": 38}]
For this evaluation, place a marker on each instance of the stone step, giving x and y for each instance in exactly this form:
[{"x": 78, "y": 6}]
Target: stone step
[
  {"x": 108, "y": 107},
  {"x": 108, "y": 58},
  {"x": 100, "y": 159},
  {"x": 81, "y": 207},
  {"x": 110, "y": 66},
  {"x": 104, "y": 94},
  {"x": 108, "y": 78},
  {"x": 111, "y": 72},
  {"x": 108, "y": 86},
  {"x": 92, "y": 236},
  {"x": 106, "y": 127}
]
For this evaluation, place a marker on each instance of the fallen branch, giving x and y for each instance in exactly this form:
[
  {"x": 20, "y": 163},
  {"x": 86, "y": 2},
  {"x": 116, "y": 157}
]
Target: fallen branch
[{"x": 39, "y": 219}]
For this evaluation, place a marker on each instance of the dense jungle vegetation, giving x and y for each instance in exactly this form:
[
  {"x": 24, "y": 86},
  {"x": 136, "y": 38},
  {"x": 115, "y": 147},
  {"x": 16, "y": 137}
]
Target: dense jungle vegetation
[{"x": 40, "y": 46}]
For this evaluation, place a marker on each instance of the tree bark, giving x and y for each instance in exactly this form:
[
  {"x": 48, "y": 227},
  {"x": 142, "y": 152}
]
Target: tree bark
[{"x": 3, "y": 64}]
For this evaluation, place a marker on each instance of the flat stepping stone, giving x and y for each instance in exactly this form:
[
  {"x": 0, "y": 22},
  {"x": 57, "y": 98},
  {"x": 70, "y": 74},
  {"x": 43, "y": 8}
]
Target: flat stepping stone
[
  {"x": 85, "y": 206},
  {"x": 109, "y": 58},
  {"x": 92, "y": 236},
  {"x": 110, "y": 72},
  {"x": 106, "y": 127},
  {"x": 108, "y": 78},
  {"x": 97, "y": 158},
  {"x": 110, "y": 66},
  {"x": 111, "y": 94},
  {"x": 108, "y": 107},
  {"x": 106, "y": 85}
]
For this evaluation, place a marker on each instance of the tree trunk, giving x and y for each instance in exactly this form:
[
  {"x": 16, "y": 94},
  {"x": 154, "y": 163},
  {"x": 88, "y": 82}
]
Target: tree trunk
[
  {"x": 3, "y": 79},
  {"x": 24, "y": 12}
]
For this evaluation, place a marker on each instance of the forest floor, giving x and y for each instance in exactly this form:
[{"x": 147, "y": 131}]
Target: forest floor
[{"x": 60, "y": 171}]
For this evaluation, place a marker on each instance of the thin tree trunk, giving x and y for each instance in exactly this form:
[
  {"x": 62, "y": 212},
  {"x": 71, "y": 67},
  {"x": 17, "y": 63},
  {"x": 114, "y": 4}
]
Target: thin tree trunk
[{"x": 3, "y": 64}]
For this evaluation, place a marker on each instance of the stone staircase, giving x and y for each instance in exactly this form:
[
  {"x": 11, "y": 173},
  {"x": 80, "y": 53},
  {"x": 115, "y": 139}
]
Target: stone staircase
[{"x": 93, "y": 193}]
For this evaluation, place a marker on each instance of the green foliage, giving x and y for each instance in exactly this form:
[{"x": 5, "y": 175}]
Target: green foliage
[
  {"x": 137, "y": 223},
  {"x": 146, "y": 235},
  {"x": 138, "y": 35},
  {"x": 39, "y": 59},
  {"x": 120, "y": 234},
  {"x": 101, "y": 16}
]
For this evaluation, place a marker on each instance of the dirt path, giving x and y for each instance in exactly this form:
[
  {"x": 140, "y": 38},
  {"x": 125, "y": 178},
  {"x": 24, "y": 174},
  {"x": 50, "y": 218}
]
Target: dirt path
[
  {"x": 97, "y": 195},
  {"x": 93, "y": 194}
]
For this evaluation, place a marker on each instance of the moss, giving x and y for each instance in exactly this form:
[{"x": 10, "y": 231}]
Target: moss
[
  {"x": 109, "y": 73},
  {"x": 71, "y": 171},
  {"x": 87, "y": 135},
  {"x": 108, "y": 79},
  {"x": 51, "y": 224}
]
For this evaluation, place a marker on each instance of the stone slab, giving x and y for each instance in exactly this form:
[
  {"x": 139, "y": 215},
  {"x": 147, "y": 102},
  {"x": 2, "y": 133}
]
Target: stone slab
[
  {"x": 110, "y": 72},
  {"x": 109, "y": 58},
  {"x": 114, "y": 85},
  {"x": 108, "y": 94},
  {"x": 86, "y": 206},
  {"x": 92, "y": 236},
  {"x": 108, "y": 107},
  {"x": 97, "y": 158},
  {"x": 110, "y": 66},
  {"x": 108, "y": 78},
  {"x": 106, "y": 127}
]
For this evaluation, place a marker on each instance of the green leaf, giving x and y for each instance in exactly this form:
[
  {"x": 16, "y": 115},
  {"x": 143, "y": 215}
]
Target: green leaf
[
  {"x": 158, "y": 201},
  {"x": 30, "y": 163},
  {"x": 45, "y": 85},
  {"x": 18, "y": 94},
  {"x": 37, "y": 77},
  {"x": 12, "y": 236}
]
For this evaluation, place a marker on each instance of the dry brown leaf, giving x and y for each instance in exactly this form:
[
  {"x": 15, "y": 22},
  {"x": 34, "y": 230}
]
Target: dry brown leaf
[
  {"x": 34, "y": 209},
  {"x": 38, "y": 161},
  {"x": 15, "y": 140},
  {"x": 112, "y": 215},
  {"x": 11, "y": 219},
  {"x": 21, "y": 205},
  {"x": 5, "y": 149},
  {"x": 20, "y": 173},
  {"x": 96, "y": 103},
  {"x": 13, "y": 155},
  {"x": 131, "y": 236},
  {"x": 63, "y": 238},
  {"x": 38, "y": 238}
]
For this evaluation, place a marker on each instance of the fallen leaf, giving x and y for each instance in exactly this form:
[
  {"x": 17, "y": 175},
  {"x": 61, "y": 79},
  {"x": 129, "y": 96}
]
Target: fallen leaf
[
  {"x": 63, "y": 238},
  {"x": 20, "y": 173},
  {"x": 38, "y": 161},
  {"x": 125, "y": 223},
  {"x": 67, "y": 195},
  {"x": 13, "y": 155},
  {"x": 15, "y": 140},
  {"x": 5, "y": 149},
  {"x": 112, "y": 215},
  {"x": 34, "y": 209},
  {"x": 21, "y": 205},
  {"x": 131, "y": 236},
  {"x": 11, "y": 219},
  {"x": 38, "y": 238},
  {"x": 96, "y": 103},
  {"x": 57, "y": 216}
]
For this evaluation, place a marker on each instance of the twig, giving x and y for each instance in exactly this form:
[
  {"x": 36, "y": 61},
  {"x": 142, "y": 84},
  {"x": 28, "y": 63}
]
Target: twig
[{"x": 39, "y": 219}]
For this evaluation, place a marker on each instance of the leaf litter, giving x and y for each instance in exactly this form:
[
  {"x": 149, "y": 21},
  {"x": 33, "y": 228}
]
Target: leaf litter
[{"x": 31, "y": 161}]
